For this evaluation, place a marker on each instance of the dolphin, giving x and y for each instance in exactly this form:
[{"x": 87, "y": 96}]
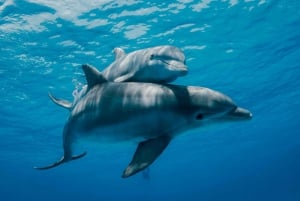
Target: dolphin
[
  {"x": 160, "y": 64},
  {"x": 152, "y": 113}
]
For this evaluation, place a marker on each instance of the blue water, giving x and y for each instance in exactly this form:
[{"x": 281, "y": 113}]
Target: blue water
[{"x": 249, "y": 50}]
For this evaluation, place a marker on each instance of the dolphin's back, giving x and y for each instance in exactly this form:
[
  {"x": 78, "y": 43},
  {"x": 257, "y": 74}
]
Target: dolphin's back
[
  {"x": 123, "y": 97},
  {"x": 117, "y": 106}
]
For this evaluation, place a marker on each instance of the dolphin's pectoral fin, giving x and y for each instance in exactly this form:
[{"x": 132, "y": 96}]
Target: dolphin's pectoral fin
[
  {"x": 60, "y": 102},
  {"x": 124, "y": 78},
  {"x": 145, "y": 154},
  {"x": 61, "y": 161}
]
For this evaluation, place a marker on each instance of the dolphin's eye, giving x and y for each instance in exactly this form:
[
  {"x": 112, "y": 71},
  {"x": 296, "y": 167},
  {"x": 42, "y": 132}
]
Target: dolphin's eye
[
  {"x": 199, "y": 116},
  {"x": 151, "y": 56}
]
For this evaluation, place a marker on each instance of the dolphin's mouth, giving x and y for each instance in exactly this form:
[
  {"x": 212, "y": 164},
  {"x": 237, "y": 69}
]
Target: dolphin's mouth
[
  {"x": 239, "y": 113},
  {"x": 173, "y": 64},
  {"x": 236, "y": 114},
  {"x": 176, "y": 66}
]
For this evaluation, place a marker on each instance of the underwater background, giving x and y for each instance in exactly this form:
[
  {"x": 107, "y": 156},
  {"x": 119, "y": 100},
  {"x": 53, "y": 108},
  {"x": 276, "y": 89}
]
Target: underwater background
[{"x": 249, "y": 50}]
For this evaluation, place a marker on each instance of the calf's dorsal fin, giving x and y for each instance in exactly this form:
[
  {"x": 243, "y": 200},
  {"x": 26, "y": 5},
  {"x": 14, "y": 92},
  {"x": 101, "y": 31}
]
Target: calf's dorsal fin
[{"x": 119, "y": 52}]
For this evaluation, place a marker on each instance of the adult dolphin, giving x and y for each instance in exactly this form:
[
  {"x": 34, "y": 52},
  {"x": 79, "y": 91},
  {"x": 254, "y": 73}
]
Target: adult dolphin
[
  {"x": 146, "y": 111},
  {"x": 159, "y": 64}
]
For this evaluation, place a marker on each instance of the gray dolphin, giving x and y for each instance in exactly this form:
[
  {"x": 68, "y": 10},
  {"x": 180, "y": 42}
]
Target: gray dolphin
[
  {"x": 153, "y": 113},
  {"x": 160, "y": 64}
]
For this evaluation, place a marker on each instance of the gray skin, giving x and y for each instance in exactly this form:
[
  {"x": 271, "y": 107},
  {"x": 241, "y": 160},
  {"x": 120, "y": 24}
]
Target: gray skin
[
  {"x": 111, "y": 111},
  {"x": 160, "y": 64}
]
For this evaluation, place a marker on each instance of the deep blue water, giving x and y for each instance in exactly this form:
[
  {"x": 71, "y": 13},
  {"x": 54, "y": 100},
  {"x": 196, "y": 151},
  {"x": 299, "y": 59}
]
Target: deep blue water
[{"x": 249, "y": 50}]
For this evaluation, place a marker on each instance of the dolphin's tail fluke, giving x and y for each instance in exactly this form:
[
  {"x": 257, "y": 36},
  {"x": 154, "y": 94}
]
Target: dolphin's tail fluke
[
  {"x": 61, "y": 161},
  {"x": 60, "y": 102}
]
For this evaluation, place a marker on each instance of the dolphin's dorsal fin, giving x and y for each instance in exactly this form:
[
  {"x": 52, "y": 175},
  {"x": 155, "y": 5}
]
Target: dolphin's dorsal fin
[
  {"x": 119, "y": 52},
  {"x": 93, "y": 76}
]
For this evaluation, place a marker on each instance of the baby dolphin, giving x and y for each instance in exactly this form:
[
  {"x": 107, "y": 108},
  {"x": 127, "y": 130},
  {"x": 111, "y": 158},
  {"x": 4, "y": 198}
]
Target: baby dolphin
[
  {"x": 130, "y": 111},
  {"x": 160, "y": 64}
]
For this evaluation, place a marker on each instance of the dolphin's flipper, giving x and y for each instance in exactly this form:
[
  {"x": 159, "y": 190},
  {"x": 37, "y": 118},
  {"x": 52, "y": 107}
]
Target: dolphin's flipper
[
  {"x": 145, "y": 154},
  {"x": 61, "y": 161},
  {"x": 124, "y": 78},
  {"x": 60, "y": 102},
  {"x": 119, "y": 52}
]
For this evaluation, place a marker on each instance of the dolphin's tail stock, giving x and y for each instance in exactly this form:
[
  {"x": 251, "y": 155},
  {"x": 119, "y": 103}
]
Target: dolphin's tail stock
[{"x": 61, "y": 161}]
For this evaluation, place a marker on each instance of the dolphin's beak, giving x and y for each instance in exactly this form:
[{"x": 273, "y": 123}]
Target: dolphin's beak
[
  {"x": 177, "y": 66},
  {"x": 239, "y": 114}
]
